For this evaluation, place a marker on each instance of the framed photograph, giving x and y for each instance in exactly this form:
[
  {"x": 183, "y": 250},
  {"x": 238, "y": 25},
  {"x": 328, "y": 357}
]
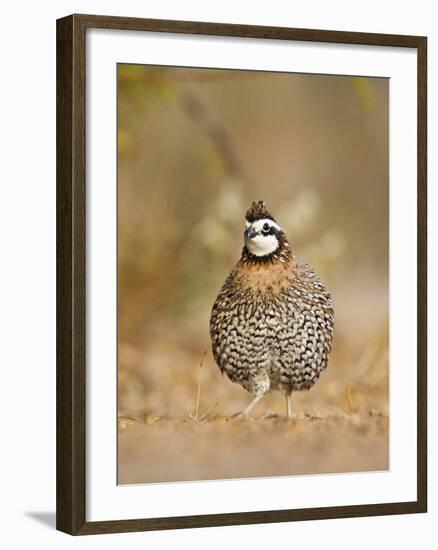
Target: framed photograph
[{"x": 241, "y": 274}]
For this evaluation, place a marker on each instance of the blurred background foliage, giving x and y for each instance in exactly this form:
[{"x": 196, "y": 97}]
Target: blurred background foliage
[{"x": 195, "y": 147}]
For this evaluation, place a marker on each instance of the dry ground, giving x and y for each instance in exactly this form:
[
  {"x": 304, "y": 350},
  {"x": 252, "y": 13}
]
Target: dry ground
[
  {"x": 175, "y": 417},
  {"x": 217, "y": 447}
]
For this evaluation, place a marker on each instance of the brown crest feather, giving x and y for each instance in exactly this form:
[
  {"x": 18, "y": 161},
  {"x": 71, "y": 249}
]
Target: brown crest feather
[{"x": 258, "y": 211}]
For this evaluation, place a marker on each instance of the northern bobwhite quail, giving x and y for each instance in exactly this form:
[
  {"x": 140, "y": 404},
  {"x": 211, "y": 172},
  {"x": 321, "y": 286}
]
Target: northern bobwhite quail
[{"x": 271, "y": 325}]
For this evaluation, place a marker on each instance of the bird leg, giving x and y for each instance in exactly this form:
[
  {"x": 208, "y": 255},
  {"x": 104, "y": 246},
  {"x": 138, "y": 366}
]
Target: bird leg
[
  {"x": 289, "y": 405},
  {"x": 246, "y": 412}
]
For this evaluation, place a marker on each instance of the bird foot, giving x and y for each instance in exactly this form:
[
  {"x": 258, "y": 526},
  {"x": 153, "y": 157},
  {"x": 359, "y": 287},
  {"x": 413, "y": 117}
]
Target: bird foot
[{"x": 240, "y": 416}]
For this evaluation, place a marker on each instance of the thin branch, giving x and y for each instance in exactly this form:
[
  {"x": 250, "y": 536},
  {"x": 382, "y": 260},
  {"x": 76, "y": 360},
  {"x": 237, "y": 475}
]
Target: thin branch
[{"x": 217, "y": 134}]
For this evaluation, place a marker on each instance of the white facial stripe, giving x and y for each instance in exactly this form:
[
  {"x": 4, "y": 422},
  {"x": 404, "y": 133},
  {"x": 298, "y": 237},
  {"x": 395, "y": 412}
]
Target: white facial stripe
[{"x": 258, "y": 225}]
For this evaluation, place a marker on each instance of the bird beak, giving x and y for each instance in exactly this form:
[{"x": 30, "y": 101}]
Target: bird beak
[{"x": 251, "y": 233}]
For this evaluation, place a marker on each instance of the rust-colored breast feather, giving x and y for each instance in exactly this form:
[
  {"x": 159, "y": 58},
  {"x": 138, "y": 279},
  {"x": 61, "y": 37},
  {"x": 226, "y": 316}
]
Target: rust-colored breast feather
[{"x": 272, "y": 278}]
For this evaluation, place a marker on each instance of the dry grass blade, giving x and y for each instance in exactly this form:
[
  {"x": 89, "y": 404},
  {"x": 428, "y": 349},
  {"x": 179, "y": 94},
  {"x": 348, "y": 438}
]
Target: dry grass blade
[
  {"x": 124, "y": 421},
  {"x": 198, "y": 393},
  {"x": 210, "y": 408},
  {"x": 129, "y": 420},
  {"x": 338, "y": 411},
  {"x": 349, "y": 399}
]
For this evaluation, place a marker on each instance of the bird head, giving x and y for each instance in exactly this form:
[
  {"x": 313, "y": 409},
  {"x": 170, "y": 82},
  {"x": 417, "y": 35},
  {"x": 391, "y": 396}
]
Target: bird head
[{"x": 263, "y": 236}]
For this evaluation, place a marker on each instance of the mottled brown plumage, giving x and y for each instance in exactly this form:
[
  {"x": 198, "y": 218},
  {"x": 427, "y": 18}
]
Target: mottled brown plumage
[{"x": 272, "y": 323}]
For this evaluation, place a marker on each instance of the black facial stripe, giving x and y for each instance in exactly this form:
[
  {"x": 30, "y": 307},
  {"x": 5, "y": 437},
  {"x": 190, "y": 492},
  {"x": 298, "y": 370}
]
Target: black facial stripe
[{"x": 269, "y": 231}]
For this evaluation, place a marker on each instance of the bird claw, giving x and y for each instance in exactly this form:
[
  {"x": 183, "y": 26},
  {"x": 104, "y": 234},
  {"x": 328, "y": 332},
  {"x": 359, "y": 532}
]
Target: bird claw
[{"x": 239, "y": 416}]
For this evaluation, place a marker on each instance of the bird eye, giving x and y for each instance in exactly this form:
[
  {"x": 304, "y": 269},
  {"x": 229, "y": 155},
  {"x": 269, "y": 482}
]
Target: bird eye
[{"x": 266, "y": 227}]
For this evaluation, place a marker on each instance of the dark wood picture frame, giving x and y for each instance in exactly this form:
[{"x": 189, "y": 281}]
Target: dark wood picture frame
[{"x": 71, "y": 270}]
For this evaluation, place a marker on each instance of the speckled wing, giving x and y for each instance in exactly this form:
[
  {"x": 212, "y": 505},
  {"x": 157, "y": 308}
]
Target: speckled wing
[
  {"x": 224, "y": 322},
  {"x": 303, "y": 337}
]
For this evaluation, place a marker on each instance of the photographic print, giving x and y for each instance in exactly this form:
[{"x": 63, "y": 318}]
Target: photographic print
[
  {"x": 253, "y": 299},
  {"x": 240, "y": 338}
]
